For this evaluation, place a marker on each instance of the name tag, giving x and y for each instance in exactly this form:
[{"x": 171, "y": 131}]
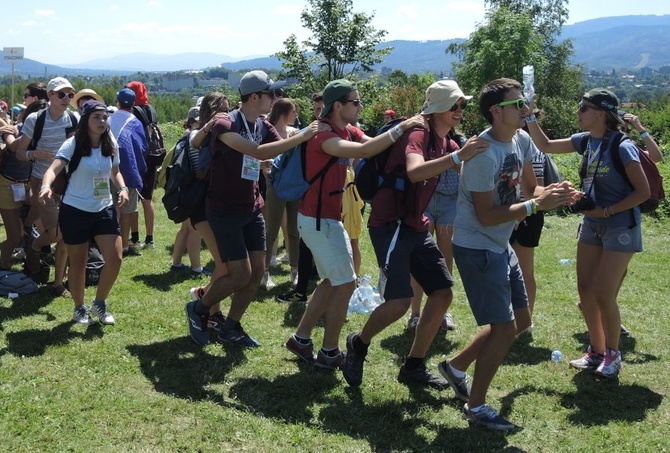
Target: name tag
[
  {"x": 100, "y": 188},
  {"x": 19, "y": 191},
  {"x": 251, "y": 168}
]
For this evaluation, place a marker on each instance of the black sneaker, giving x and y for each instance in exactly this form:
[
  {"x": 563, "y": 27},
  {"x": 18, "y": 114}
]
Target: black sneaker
[
  {"x": 353, "y": 363},
  {"x": 459, "y": 385},
  {"x": 292, "y": 297},
  {"x": 216, "y": 321},
  {"x": 237, "y": 337},
  {"x": 422, "y": 377}
]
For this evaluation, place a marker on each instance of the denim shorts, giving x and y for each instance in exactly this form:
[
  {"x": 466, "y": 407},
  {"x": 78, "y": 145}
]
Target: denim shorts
[
  {"x": 615, "y": 239},
  {"x": 492, "y": 282},
  {"x": 441, "y": 210}
]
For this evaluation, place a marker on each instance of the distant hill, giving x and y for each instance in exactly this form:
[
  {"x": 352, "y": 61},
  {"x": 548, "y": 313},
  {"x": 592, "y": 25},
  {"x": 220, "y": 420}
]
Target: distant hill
[{"x": 604, "y": 43}]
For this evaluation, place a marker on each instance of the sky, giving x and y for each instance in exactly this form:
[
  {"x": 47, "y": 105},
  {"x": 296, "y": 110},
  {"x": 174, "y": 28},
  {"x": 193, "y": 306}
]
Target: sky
[{"x": 76, "y": 34}]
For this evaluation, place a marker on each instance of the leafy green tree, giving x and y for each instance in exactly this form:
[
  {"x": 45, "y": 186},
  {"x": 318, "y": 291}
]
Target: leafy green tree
[{"x": 341, "y": 45}]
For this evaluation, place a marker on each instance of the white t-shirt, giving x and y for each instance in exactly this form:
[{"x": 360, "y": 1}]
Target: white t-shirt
[{"x": 80, "y": 190}]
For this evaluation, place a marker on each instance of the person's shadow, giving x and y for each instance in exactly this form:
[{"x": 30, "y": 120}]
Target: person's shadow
[{"x": 34, "y": 342}]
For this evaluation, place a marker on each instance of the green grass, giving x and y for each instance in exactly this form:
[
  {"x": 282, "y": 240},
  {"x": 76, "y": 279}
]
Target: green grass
[{"x": 143, "y": 385}]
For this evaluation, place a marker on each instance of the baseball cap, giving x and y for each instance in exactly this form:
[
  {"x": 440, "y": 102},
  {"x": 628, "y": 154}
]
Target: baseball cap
[
  {"x": 255, "y": 81},
  {"x": 605, "y": 100},
  {"x": 441, "y": 96},
  {"x": 390, "y": 113},
  {"x": 91, "y": 106},
  {"x": 336, "y": 89},
  {"x": 3, "y": 105},
  {"x": 85, "y": 92},
  {"x": 126, "y": 97},
  {"x": 58, "y": 83},
  {"x": 194, "y": 113}
]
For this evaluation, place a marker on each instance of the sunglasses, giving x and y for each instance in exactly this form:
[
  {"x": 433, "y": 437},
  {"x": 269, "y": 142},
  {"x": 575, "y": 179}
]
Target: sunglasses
[
  {"x": 356, "y": 102},
  {"x": 28, "y": 95},
  {"x": 520, "y": 103},
  {"x": 460, "y": 105},
  {"x": 62, "y": 95},
  {"x": 272, "y": 94},
  {"x": 583, "y": 107}
]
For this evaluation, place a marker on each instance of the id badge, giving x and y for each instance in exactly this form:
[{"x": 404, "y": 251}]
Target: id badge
[
  {"x": 19, "y": 191},
  {"x": 586, "y": 184},
  {"x": 251, "y": 168},
  {"x": 100, "y": 188}
]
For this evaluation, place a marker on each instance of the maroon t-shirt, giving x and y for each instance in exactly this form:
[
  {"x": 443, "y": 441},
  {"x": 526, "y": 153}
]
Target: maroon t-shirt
[
  {"x": 228, "y": 191},
  {"x": 389, "y": 205}
]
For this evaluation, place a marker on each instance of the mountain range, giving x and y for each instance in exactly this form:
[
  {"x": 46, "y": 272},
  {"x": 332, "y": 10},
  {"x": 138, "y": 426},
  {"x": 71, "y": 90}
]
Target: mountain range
[{"x": 601, "y": 44}]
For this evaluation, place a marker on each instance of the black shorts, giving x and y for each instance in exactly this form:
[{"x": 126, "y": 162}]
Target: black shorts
[
  {"x": 528, "y": 232},
  {"x": 78, "y": 227},
  {"x": 415, "y": 253},
  {"x": 149, "y": 183},
  {"x": 200, "y": 215},
  {"x": 237, "y": 234}
]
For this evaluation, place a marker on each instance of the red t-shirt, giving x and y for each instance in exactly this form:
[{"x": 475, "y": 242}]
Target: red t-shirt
[
  {"x": 334, "y": 179},
  {"x": 228, "y": 191},
  {"x": 389, "y": 205}
]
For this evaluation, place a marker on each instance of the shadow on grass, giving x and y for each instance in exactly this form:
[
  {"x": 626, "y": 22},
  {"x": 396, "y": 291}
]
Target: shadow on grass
[
  {"x": 165, "y": 281},
  {"x": 523, "y": 352},
  {"x": 293, "y": 313},
  {"x": 27, "y": 305},
  {"x": 401, "y": 344},
  {"x": 181, "y": 369},
  {"x": 34, "y": 342}
]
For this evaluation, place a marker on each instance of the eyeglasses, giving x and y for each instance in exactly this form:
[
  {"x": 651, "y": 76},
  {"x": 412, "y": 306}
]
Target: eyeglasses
[
  {"x": 520, "y": 103},
  {"x": 28, "y": 95},
  {"x": 62, "y": 95},
  {"x": 356, "y": 102},
  {"x": 460, "y": 105},
  {"x": 272, "y": 94},
  {"x": 584, "y": 107}
]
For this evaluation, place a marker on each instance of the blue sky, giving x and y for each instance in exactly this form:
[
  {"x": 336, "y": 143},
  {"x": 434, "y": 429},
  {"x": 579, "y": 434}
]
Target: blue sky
[{"x": 88, "y": 31}]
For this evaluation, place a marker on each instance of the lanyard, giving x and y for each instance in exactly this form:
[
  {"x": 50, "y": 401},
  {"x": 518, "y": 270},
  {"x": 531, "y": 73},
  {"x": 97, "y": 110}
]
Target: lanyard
[{"x": 251, "y": 137}]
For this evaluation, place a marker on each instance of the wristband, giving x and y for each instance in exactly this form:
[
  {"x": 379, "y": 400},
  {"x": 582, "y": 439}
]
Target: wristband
[
  {"x": 122, "y": 188},
  {"x": 45, "y": 186},
  {"x": 391, "y": 136},
  {"x": 531, "y": 119},
  {"x": 529, "y": 208},
  {"x": 398, "y": 130},
  {"x": 27, "y": 155},
  {"x": 534, "y": 205},
  {"x": 455, "y": 158},
  {"x": 644, "y": 134}
]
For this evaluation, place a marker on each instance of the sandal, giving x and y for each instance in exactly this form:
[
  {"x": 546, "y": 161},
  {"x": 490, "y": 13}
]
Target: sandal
[{"x": 60, "y": 291}]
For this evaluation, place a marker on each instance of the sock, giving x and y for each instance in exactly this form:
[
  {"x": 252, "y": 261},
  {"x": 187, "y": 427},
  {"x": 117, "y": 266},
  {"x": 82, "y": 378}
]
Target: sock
[
  {"x": 413, "y": 363},
  {"x": 98, "y": 302},
  {"x": 135, "y": 236},
  {"x": 458, "y": 373},
  {"x": 359, "y": 346},
  {"x": 149, "y": 238},
  {"x": 200, "y": 309},
  {"x": 230, "y": 324},
  {"x": 301, "y": 340},
  {"x": 332, "y": 352}
]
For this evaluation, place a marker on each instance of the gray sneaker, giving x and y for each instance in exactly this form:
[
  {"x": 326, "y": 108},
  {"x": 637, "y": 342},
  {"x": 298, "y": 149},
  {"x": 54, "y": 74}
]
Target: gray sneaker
[
  {"x": 421, "y": 377},
  {"x": 488, "y": 418},
  {"x": 99, "y": 310},
  {"x": 80, "y": 316},
  {"x": 412, "y": 322},
  {"x": 447, "y": 323},
  {"x": 459, "y": 385}
]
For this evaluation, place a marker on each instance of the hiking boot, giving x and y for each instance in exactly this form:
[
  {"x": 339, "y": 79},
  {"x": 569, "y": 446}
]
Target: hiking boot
[
  {"x": 459, "y": 385},
  {"x": 330, "y": 362},
  {"x": 267, "y": 282},
  {"x": 99, "y": 310},
  {"x": 610, "y": 366},
  {"x": 353, "y": 363},
  {"x": 413, "y": 321},
  {"x": 291, "y": 297},
  {"x": 197, "y": 324},
  {"x": 447, "y": 323},
  {"x": 488, "y": 418},
  {"x": 422, "y": 377},
  {"x": 80, "y": 316},
  {"x": 589, "y": 362},
  {"x": 303, "y": 351},
  {"x": 216, "y": 321},
  {"x": 237, "y": 337},
  {"x": 197, "y": 292}
]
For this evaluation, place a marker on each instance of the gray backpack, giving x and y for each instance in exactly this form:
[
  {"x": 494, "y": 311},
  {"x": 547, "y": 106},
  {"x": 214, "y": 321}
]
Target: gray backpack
[{"x": 16, "y": 282}]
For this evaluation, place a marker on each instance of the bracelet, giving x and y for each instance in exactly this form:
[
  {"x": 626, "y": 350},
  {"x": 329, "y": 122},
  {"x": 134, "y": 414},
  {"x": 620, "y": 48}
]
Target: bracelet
[
  {"x": 45, "y": 186},
  {"x": 534, "y": 205},
  {"x": 398, "y": 130},
  {"x": 454, "y": 157},
  {"x": 27, "y": 155},
  {"x": 644, "y": 134},
  {"x": 391, "y": 136},
  {"x": 122, "y": 188},
  {"x": 531, "y": 119},
  {"x": 605, "y": 214},
  {"x": 529, "y": 208}
]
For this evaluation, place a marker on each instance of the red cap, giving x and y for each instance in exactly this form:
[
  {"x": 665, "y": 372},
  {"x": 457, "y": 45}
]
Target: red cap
[{"x": 390, "y": 113}]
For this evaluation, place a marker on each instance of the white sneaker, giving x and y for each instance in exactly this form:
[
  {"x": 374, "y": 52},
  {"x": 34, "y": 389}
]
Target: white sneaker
[
  {"x": 80, "y": 316},
  {"x": 197, "y": 292},
  {"x": 294, "y": 276},
  {"x": 283, "y": 258},
  {"x": 273, "y": 261},
  {"x": 267, "y": 282},
  {"x": 100, "y": 312}
]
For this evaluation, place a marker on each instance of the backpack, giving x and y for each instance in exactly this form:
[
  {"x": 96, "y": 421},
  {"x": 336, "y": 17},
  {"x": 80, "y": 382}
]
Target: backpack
[
  {"x": 184, "y": 192},
  {"x": 654, "y": 177},
  {"x": 16, "y": 282},
  {"x": 170, "y": 157},
  {"x": 552, "y": 175},
  {"x": 156, "y": 152},
  {"x": 94, "y": 264}
]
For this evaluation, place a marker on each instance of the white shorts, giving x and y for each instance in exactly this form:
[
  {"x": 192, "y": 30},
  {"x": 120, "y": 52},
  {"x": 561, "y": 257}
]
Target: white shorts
[{"x": 330, "y": 247}]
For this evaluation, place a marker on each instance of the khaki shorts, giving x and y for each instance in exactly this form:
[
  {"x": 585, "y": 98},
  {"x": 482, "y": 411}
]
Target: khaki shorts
[
  {"x": 131, "y": 206},
  {"x": 48, "y": 213},
  {"x": 7, "y": 194}
]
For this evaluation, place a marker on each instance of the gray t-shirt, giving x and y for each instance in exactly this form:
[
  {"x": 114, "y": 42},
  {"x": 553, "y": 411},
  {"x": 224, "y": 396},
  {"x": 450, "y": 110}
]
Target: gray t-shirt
[
  {"x": 53, "y": 136},
  {"x": 499, "y": 169}
]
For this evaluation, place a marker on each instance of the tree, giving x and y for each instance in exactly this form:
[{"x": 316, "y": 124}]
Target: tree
[{"x": 342, "y": 44}]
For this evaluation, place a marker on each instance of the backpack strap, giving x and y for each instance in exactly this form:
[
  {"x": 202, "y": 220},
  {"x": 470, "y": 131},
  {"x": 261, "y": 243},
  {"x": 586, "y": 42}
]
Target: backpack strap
[{"x": 39, "y": 126}]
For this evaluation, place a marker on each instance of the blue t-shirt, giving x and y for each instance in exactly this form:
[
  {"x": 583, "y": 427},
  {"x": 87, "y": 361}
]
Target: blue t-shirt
[{"x": 609, "y": 185}]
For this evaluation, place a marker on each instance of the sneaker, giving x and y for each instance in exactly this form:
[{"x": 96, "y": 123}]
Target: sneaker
[
  {"x": 488, "y": 418},
  {"x": 413, "y": 321},
  {"x": 273, "y": 261},
  {"x": 303, "y": 351},
  {"x": 528, "y": 330},
  {"x": 135, "y": 245},
  {"x": 589, "y": 362},
  {"x": 197, "y": 324},
  {"x": 99, "y": 310},
  {"x": 149, "y": 245},
  {"x": 459, "y": 385},
  {"x": 216, "y": 321},
  {"x": 610, "y": 366},
  {"x": 202, "y": 271},
  {"x": 238, "y": 337},
  {"x": 176, "y": 267},
  {"x": 19, "y": 254},
  {"x": 447, "y": 323},
  {"x": 624, "y": 331},
  {"x": 283, "y": 258},
  {"x": 197, "y": 292},
  {"x": 130, "y": 251},
  {"x": 421, "y": 377},
  {"x": 293, "y": 296},
  {"x": 353, "y": 363},
  {"x": 80, "y": 316},
  {"x": 267, "y": 282},
  {"x": 330, "y": 362}
]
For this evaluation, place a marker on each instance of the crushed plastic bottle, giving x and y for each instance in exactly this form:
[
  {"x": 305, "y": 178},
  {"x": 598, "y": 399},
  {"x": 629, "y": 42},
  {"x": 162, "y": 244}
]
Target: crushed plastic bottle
[
  {"x": 363, "y": 299},
  {"x": 564, "y": 261},
  {"x": 528, "y": 81},
  {"x": 556, "y": 356}
]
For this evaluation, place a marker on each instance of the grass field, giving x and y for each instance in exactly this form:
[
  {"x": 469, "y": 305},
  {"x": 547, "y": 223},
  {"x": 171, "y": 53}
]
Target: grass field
[{"x": 143, "y": 385}]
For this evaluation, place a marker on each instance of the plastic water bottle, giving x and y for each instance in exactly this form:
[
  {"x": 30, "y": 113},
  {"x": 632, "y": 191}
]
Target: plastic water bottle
[
  {"x": 355, "y": 303},
  {"x": 366, "y": 294},
  {"x": 378, "y": 297},
  {"x": 528, "y": 81},
  {"x": 564, "y": 261},
  {"x": 556, "y": 356}
]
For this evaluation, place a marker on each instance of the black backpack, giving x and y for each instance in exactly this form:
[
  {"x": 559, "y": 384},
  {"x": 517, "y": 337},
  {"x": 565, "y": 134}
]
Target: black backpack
[
  {"x": 157, "y": 151},
  {"x": 184, "y": 192}
]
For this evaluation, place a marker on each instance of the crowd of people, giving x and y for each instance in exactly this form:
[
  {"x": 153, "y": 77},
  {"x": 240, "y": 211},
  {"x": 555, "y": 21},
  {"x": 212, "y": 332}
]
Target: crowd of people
[{"x": 477, "y": 202}]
